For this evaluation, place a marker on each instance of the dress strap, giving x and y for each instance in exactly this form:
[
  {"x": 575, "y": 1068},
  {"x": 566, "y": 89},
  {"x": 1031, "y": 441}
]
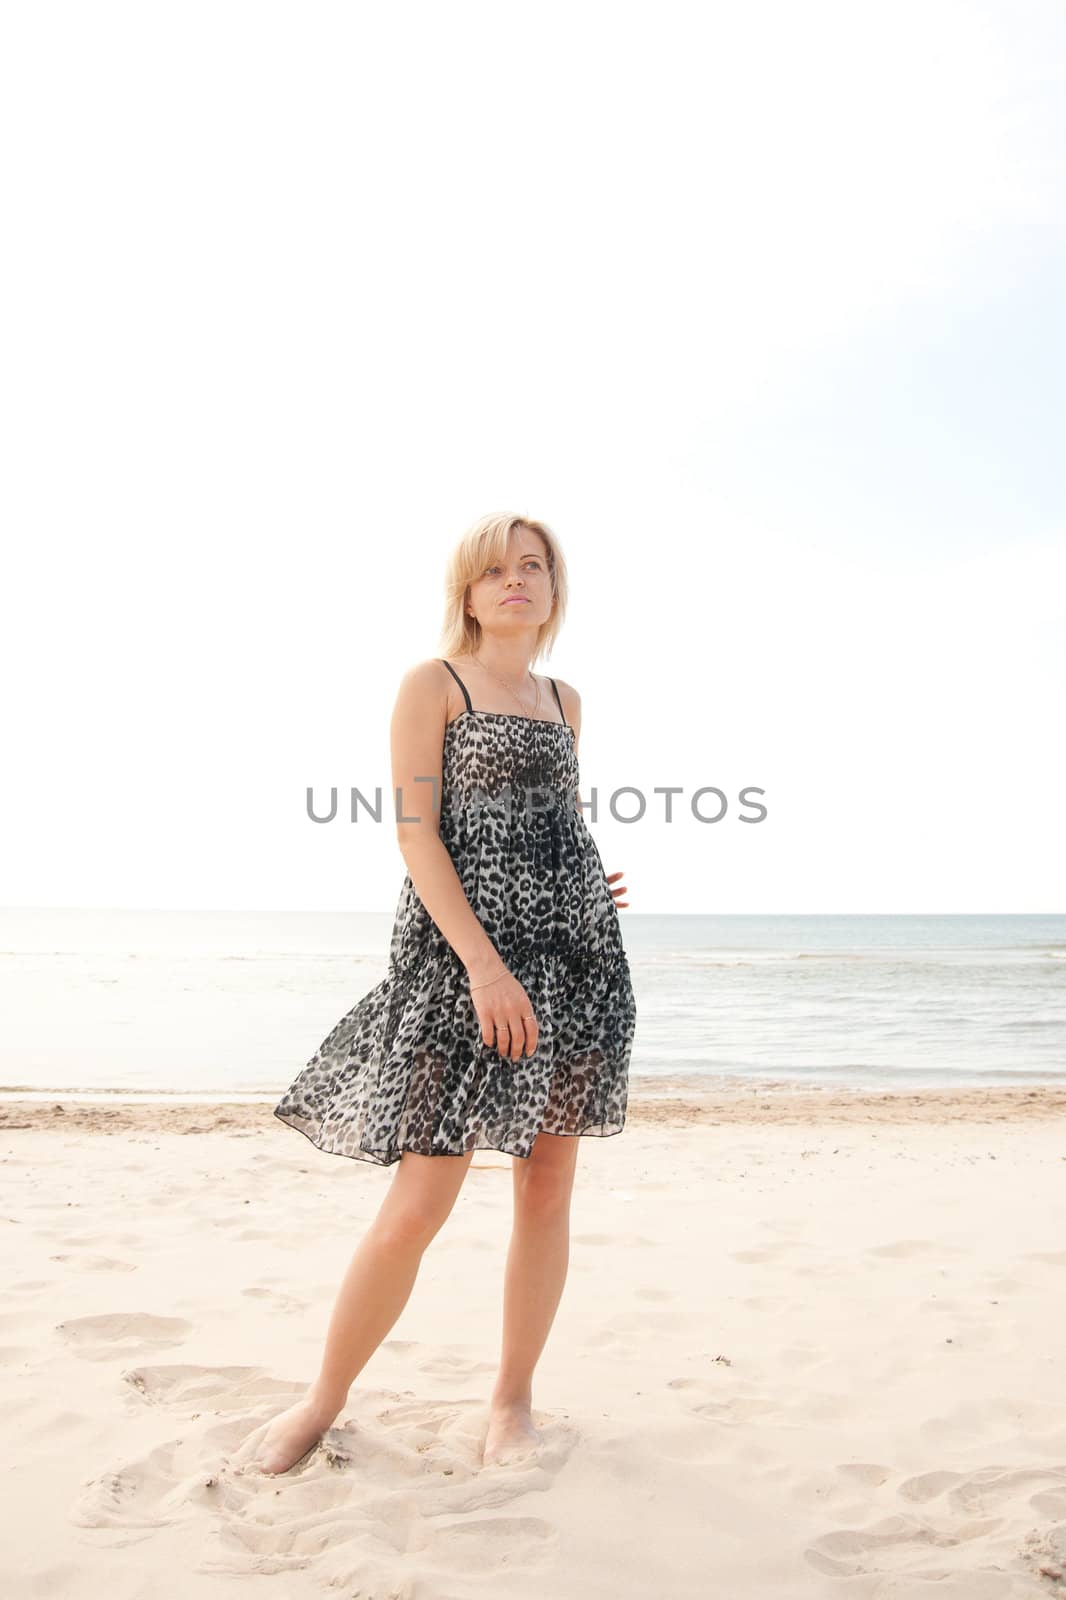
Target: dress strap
[
  {"x": 562, "y": 712},
  {"x": 458, "y": 680}
]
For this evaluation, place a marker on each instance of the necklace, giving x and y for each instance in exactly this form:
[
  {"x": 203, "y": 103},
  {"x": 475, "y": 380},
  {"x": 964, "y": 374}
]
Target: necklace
[{"x": 510, "y": 689}]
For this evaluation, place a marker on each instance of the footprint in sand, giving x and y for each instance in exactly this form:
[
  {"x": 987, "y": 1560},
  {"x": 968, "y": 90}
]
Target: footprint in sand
[
  {"x": 869, "y": 1474},
  {"x": 905, "y": 1249},
  {"x": 987, "y": 1528},
  {"x": 397, "y": 1474},
  {"x": 95, "y": 1263},
  {"x": 193, "y": 1389},
  {"x": 457, "y": 1368},
  {"x": 285, "y": 1303},
  {"x": 75, "y": 1243},
  {"x": 121, "y": 1333},
  {"x": 801, "y": 1355},
  {"x": 484, "y": 1545},
  {"x": 711, "y": 1399}
]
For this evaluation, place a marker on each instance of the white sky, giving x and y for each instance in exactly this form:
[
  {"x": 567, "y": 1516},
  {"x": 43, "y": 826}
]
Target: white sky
[{"x": 759, "y": 306}]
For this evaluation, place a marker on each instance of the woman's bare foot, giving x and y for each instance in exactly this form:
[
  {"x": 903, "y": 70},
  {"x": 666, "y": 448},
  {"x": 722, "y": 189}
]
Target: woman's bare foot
[
  {"x": 511, "y": 1435},
  {"x": 286, "y": 1438}
]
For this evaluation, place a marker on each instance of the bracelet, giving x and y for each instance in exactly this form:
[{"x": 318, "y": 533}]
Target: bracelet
[{"x": 496, "y": 979}]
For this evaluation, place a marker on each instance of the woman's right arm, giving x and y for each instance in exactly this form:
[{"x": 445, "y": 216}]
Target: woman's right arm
[{"x": 417, "y": 738}]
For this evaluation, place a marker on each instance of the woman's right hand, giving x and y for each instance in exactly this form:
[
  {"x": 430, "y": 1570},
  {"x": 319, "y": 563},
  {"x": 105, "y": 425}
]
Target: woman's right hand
[{"x": 501, "y": 1004}]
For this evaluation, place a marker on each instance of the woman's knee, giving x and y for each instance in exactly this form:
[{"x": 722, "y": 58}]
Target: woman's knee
[
  {"x": 544, "y": 1192},
  {"x": 421, "y": 1198},
  {"x": 408, "y": 1227}
]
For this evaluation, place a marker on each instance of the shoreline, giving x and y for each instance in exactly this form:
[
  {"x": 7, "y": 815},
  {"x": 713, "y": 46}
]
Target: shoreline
[{"x": 671, "y": 1102}]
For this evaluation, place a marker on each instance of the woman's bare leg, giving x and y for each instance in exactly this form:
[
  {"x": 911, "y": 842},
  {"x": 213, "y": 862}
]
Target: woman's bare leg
[
  {"x": 537, "y": 1263},
  {"x": 375, "y": 1289}
]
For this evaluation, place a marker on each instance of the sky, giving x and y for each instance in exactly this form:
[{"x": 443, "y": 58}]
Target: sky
[{"x": 758, "y": 307}]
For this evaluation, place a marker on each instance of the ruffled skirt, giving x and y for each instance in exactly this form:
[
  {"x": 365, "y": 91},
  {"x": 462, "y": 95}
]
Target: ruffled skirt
[{"x": 408, "y": 1069}]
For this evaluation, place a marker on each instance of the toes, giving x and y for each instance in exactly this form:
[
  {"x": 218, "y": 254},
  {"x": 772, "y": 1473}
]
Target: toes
[{"x": 246, "y": 1456}]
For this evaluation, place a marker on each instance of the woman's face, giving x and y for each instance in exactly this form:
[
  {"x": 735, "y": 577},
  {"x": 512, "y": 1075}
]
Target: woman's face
[{"x": 516, "y": 592}]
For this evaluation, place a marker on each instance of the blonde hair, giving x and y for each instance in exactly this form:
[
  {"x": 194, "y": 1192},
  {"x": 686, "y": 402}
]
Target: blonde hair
[{"x": 480, "y": 546}]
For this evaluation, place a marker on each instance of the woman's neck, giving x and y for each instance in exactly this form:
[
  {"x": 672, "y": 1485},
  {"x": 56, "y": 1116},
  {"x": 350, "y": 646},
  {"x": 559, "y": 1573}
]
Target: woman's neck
[{"x": 510, "y": 661}]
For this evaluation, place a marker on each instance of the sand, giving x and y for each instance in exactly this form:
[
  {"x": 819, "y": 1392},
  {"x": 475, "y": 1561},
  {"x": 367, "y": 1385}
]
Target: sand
[{"x": 810, "y": 1345}]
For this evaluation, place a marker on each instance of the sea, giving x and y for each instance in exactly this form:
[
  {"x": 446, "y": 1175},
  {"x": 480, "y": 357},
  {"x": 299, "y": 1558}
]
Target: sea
[{"x": 230, "y": 1005}]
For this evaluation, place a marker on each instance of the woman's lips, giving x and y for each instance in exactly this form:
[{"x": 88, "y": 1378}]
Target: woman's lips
[{"x": 515, "y": 600}]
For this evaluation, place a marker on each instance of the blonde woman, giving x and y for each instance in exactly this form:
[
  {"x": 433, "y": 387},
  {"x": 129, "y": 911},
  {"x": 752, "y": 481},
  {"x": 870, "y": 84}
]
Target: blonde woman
[{"x": 507, "y": 1017}]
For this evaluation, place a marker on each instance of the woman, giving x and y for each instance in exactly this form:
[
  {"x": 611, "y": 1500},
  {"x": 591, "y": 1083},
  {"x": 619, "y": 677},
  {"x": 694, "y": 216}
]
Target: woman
[{"x": 507, "y": 1017}]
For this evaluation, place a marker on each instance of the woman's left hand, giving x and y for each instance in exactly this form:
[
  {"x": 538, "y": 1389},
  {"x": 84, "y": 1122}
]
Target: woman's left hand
[{"x": 621, "y": 890}]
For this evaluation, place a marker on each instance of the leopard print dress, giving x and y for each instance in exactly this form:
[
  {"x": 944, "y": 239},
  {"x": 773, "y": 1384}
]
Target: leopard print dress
[{"x": 407, "y": 1068}]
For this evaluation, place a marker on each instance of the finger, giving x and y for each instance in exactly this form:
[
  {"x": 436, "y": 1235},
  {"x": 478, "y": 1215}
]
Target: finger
[
  {"x": 526, "y": 1042},
  {"x": 520, "y": 1034}
]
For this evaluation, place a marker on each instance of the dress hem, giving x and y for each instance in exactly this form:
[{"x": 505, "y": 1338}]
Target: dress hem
[{"x": 389, "y": 1161}]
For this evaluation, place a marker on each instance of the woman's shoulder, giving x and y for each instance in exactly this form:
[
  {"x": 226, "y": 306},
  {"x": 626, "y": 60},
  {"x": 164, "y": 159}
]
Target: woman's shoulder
[
  {"x": 428, "y": 670},
  {"x": 568, "y": 695},
  {"x": 425, "y": 684}
]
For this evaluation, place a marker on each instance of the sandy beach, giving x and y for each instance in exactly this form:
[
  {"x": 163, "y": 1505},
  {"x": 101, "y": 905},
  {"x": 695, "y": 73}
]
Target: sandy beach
[{"x": 810, "y": 1345}]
